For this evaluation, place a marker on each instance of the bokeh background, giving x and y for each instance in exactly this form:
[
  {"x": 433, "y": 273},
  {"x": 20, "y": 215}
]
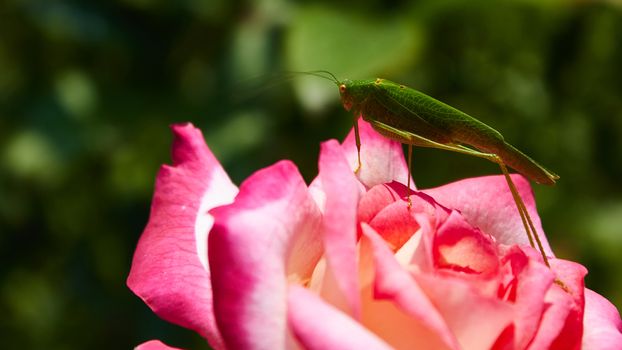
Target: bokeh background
[{"x": 88, "y": 89}]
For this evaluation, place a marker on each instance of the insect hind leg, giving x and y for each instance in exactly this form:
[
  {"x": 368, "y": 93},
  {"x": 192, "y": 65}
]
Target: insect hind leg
[
  {"x": 522, "y": 209},
  {"x": 410, "y": 157}
]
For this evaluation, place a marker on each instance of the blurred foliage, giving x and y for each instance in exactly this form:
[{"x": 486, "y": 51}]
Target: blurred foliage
[{"x": 88, "y": 89}]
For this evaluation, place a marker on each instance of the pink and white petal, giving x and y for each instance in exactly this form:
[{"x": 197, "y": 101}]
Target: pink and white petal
[
  {"x": 169, "y": 270},
  {"x": 382, "y": 159},
  {"x": 553, "y": 320},
  {"x": 425, "y": 256},
  {"x": 475, "y": 315},
  {"x": 476, "y": 320},
  {"x": 317, "y": 325},
  {"x": 460, "y": 247},
  {"x": 562, "y": 323},
  {"x": 269, "y": 234},
  {"x": 487, "y": 203},
  {"x": 602, "y": 327},
  {"x": 154, "y": 345},
  {"x": 396, "y": 285},
  {"x": 317, "y": 193},
  {"x": 529, "y": 281},
  {"x": 398, "y": 329},
  {"x": 385, "y": 208},
  {"x": 376, "y": 199},
  {"x": 340, "y": 215},
  {"x": 422, "y": 259},
  {"x": 396, "y": 221},
  {"x": 405, "y": 254}
]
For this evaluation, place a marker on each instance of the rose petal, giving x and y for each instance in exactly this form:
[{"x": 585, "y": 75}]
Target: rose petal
[
  {"x": 423, "y": 256},
  {"x": 395, "y": 222},
  {"x": 602, "y": 326},
  {"x": 154, "y": 345},
  {"x": 459, "y": 246},
  {"x": 393, "y": 283},
  {"x": 269, "y": 234},
  {"x": 529, "y": 281},
  {"x": 385, "y": 208},
  {"x": 562, "y": 323},
  {"x": 474, "y": 314},
  {"x": 318, "y": 325},
  {"x": 169, "y": 270},
  {"x": 487, "y": 203},
  {"x": 426, "y": 255},
  {"x": 382, "y": 158},
  {"x": 476, "y": 320},
  {"x": 376, "y": 199},
  {"x": 342, "y": 194}
]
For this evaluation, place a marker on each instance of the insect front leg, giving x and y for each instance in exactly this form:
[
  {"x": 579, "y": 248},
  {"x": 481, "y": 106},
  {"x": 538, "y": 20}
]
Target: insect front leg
[{"x": 357, "y": 139}]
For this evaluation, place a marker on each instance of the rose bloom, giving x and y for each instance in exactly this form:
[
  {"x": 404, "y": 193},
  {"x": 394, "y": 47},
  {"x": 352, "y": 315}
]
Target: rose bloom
[{"x": 344, "y": 263}]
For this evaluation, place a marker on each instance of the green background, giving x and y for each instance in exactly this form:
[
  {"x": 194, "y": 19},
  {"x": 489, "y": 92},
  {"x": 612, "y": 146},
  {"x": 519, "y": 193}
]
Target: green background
[{"x": 88, "y": 89}]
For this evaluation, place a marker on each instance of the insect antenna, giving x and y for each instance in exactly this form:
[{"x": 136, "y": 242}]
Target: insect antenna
[
  {"x": 255, "y": 86},
  {"x": 324, "y": 74},
  {"x": 334, "y": 78}
]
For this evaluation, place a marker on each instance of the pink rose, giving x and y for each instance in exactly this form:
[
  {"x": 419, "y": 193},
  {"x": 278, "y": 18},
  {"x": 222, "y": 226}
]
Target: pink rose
[{"x": 344, "y": 264}]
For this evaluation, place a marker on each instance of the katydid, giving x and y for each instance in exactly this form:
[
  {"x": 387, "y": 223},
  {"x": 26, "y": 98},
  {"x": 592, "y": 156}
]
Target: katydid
[{"x": 413, "y": 118}]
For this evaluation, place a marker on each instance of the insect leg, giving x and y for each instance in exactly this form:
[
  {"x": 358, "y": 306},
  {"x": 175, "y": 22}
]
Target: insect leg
[
  {"x": 523, "y": 211},
  {"x": 410, "y": 157},
  {"x": 357, "y": 139},
  {"x": 416, "y": 140},
  {"x": 520, "y": 205}
]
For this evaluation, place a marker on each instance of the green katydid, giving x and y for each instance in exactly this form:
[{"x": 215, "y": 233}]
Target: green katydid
[{"x": 416, "y": 119}]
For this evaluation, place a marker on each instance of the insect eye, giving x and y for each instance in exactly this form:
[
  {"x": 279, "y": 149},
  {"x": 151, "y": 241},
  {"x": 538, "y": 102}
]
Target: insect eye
[{"x": 342, "y": 88}]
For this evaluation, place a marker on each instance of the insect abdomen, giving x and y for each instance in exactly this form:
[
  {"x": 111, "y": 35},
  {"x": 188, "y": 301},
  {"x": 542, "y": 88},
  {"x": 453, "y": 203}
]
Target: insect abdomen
[{"x": 522, "y": 163}]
